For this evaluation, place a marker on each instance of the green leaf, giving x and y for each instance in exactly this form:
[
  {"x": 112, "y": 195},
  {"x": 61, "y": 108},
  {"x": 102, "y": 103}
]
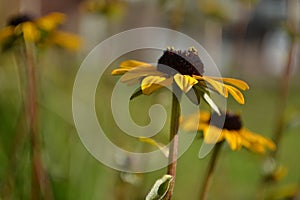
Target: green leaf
[{"x": 160, "y": 188}]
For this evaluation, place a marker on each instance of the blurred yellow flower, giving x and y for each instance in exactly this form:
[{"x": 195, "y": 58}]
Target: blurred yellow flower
[
  {"x": 183, "y": 68},
  {"x": 216, "y": 10},
  {"x": 41, "y": 31},
  {"x": 228, "y": 127},
  {"x": 114, "y": 8}
]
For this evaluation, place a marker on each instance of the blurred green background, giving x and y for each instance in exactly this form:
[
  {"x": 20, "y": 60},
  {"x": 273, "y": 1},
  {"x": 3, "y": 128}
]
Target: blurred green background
[{"x": 246, "y": 39}]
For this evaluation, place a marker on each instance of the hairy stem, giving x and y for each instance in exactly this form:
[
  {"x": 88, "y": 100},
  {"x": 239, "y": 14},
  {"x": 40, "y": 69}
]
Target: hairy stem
[{"x": 173, "y": 149}]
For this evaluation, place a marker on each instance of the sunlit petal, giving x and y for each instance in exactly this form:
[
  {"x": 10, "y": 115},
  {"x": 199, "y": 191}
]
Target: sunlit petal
[
  {"x": 133, "y": 63},
  {"x": 120, "y": 71},
  {"x": 235, "y": 82},
  {"x": 185, "y": 82},
  {"x": 152, "y": 83}
]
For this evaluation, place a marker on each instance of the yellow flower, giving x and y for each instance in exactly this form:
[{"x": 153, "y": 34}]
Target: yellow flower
[
  {"x": 228, "y": 127},
  {"x": 185, "y": 69},
  {"x": 40, "y": 31}
]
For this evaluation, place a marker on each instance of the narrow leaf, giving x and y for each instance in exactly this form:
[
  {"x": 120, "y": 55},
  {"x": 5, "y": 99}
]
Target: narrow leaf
[
  {"x": 137, "y": 93},
  {"x": 152, "y": 142},
  {"x": 211, "y": 103}
]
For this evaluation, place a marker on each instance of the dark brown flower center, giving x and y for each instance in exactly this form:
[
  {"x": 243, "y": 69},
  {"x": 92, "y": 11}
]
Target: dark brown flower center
[
  {"x": 231, "y": 122},
  {"x": 184, "y": 62},
  {"x": 16, "y": 20}
]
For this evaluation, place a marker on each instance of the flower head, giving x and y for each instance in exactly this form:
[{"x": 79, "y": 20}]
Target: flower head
[
  {"x": 228, "y": 127},
  {"x": 40, "y": 31},
  {"x": 185, "y": 70}
]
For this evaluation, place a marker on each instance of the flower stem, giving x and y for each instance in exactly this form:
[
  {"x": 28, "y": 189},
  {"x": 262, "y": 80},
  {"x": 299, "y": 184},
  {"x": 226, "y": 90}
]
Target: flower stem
[
  {"x": 283, "y": 94},
  {"x": 285, "y": 79},
  {"x": 39, "y": 180},
  {"x": 173, "y": 149},
  {"x": 210, "y": 171}
]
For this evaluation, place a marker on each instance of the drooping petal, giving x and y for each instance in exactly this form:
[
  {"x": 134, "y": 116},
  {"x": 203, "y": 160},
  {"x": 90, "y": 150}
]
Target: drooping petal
[
  {"x": 255, "y": 138},
  {"x": 133, "y": 64},
  {"x": 218, "y": 86},
  {"x": 152, "y": 83},
  {"x": 65, "y": 40},
  {"x": 50, "y": 21},
  {"x": 6, "y": 33},
  {"x": 235, "y": 82},
  {"x": 237, "y": 95},
  {"x": 30, "y": 32},
  {"x": 231, "y": 140},
  {"x": 185, "y": 82}
]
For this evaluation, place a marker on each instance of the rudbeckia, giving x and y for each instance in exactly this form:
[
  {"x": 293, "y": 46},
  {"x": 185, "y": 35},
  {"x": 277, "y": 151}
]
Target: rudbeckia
[
  {"x": 40, "y": 31},
  {"x": 228, "y": 127},
  {"x": 184, "y": 69}
]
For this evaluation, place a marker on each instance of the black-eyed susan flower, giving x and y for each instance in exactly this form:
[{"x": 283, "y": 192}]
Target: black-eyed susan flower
[
  {"x": 41, "y": 31},
  {"x": 228, "y": 127},
  {"x": 185, "y": 70}
]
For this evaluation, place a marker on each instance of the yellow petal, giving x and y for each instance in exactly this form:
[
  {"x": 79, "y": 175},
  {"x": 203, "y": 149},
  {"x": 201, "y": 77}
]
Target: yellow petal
[
  {"x": 204, "y": 116},
  {"x": 185, "y": 82},
  {"x": 237, "y": 95},
  {"x": 231, "y": 139},
  {"x": 133, "y": 64},
  {"x": 120, "y": 71},
  {"x": 235, "y": 82},
  {"x": 218, "y": 86},
  {"x": 6, "y": 32},
  {"x": 135, "y": 74},
  {"x": 30, "y": 31},
  {"x": 152, "y": 83},
  {"x": 50, "y": 21},
  {"x": 258, "y": 142},
  {"x": 65, "y": 40}
]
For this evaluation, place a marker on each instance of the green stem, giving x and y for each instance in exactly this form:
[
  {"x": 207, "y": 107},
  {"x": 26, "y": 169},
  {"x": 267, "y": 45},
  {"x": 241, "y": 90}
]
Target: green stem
[
  {"x": 173, "y": 149},
  {"x": 210, "y": 171}
]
